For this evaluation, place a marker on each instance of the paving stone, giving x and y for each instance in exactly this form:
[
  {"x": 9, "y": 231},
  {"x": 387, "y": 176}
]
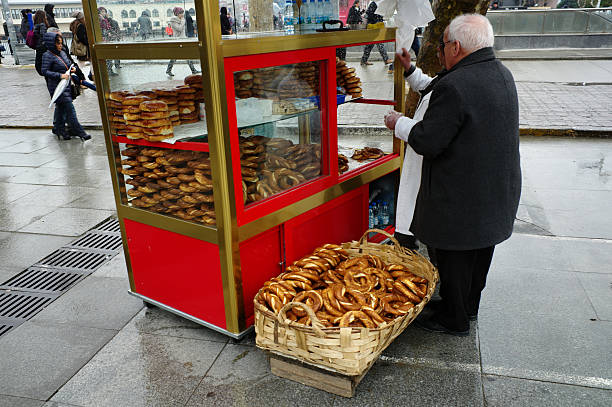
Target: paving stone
[
  {"x": 417, "y": 344},
  {"x": 102, "y": 198},
  {"x": 12, "y": 192},
  {"x": 21, "y": 250},
  {"x": 25, "y": 147},
  {"x": 6, "y": 273},
  {"x": 397, "y": 384},
  {"x": 508, "y": 392},
  {"x": 44, "y": 176},
  {"x": 543, "y": 294},
  {"x": 137, "y": 369},
  {"x": 160, "y": 322},
  {"x": 14, "y": 217},
  {"x": 532, "y": 252},
  {"x": 115, "y": 268},
  {"x": 11, "y": 401},
  {"x": 37, "y": 358},
  {"x": 95, "y": 302},
  {"x": 68, "y": 221},
  {"x": 241, "y": 376},
  {"x": 94, "y": 162},
  {"x": 599, "y": 289},
  {"x": 553, "y": 348},
  {"x": 8, "y": 172},
  {"x": 25, "y": 160},
  {"x": 57, "y": 195},
  {"x": 85, "y": 178}
]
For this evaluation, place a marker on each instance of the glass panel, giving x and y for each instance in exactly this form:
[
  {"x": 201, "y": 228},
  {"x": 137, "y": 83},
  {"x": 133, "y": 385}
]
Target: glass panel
[
  {"x": 144, "y": 102},
  {"x": 255, "y": 18},
  {"x": 523, "y": 23},
  {"x": 176, "y": 183},
  {"x": 144, "y": 20},
  {"x": 565, "y": 22},
  {"x": 496, "y": 21},
  {"x": 360, "y": 136},
  {"x": 600, "y": 22},
  {"x": 279, "y": 118}
]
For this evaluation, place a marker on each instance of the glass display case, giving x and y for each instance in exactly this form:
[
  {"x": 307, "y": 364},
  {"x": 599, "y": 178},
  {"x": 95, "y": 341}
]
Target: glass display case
[{"x": 223, "y": 177}]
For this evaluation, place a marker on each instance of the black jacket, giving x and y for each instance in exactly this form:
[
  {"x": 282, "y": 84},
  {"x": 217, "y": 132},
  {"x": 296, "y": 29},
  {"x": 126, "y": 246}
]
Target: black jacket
[
  {"x": 50, "y": 15},
  {"x": 189, "y": 25},
  {"x": 371, "y": 16},
  {"x": 226, "y": 27},
  {"x": 469, "y": 140},
  {"x": 354, "y": 16}
]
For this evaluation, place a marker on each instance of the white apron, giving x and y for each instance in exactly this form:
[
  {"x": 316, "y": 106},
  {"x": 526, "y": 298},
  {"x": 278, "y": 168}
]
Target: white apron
[{"x": 410, "y": 180}]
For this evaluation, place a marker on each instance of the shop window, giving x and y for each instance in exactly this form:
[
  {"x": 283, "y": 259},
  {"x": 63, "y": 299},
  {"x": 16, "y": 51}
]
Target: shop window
[
  {"x": 156, "y": 24},
  {"x": 192, "y": 12},
  {"x": 126, "y": 25},
  {"x": 169, "y": 12},
  {"x": 155, "y": 13},
  {"x": 132, "y": 14},
  {"x": 124, "y": 14}
]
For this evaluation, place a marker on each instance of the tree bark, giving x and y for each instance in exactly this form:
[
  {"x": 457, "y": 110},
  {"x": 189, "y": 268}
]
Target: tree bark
[{"x": 427, "y": 60}]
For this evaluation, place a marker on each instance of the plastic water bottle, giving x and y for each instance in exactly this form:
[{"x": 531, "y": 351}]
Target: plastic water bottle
[
  {"x": 385, "y": 214},
  {"x": 312, "y": 11},
  {"x": 371, "y": 217},
  {"x": 327, "y": 11},
  {"x": 319, "y": 12},
  {"x": 304, "y": 14},
  {"x": 288, "y": 18},
  {"x": 296, "y": 13}
]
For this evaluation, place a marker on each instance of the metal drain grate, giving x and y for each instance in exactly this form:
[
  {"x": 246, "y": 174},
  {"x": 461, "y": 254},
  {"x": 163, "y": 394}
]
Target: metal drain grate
[
  {"x": 40, "y": 279},
  {"x": 22, "y": 306},
  {"x": 106, "y": 242},
  {"x": 75, "y": 260},
  {"x": 109, "y": 225},
  {"x": 5, "y": 328}
]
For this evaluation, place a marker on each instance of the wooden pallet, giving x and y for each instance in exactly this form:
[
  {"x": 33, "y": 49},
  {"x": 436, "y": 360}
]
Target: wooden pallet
[{"x": 314, "y": 376}]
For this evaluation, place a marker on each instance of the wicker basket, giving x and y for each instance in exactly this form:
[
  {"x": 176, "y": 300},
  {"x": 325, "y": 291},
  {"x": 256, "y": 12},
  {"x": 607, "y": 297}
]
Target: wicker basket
[{"x": 349, "y": 351}]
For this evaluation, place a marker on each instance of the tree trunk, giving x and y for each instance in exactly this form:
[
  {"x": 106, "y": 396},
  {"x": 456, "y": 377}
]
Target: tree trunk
[{"x": 427, "y": 60}]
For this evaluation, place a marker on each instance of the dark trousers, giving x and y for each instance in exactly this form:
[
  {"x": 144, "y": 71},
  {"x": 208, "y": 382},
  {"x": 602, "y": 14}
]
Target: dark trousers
[
  {"x": 463, "y": 276},
  {"x": 65, "y": 113},
  {"x": 368, "y": 49}
]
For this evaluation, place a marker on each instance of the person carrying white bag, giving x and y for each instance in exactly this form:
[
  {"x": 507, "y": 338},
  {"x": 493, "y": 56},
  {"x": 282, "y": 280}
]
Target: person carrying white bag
[{"x": 410, "y": 180}]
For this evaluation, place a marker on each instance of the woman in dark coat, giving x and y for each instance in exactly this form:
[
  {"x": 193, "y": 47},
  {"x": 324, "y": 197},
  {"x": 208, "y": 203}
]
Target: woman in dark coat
[
  {"x": 226, "y": 26},
  {"x": 40, "y": 28},
  {"x": 55, "y": 63},
  {"x": 373, "y": 18},
  {"x": 50, "y": 15}
]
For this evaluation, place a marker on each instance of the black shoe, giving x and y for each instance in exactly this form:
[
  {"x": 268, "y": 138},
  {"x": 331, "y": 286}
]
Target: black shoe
[
  {"x": 65, "y": 136},
  {"x": 84, "y": 136},
  {"x": 433, "y": 326},
  {"x": 435, "y": 305},
  {"x": 169, "y": 73},
  {"x": 196, "y": 72},
  {"x": 473, "y": 317}
]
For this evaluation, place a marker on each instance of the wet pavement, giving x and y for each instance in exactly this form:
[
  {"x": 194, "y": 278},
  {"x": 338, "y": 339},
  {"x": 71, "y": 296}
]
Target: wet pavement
[
  {"x": 542, "y": 337},
  {"x": 544, "y": 329}
]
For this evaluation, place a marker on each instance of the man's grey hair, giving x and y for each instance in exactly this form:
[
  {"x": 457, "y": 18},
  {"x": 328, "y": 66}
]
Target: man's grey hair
[
  {"x": 53, "y": 30},
  {"x": 473, "y": 31}
]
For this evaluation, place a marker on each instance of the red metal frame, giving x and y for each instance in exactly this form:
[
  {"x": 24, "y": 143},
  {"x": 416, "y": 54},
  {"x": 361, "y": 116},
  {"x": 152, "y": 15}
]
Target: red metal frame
[
  {"x": 366, "y": 167},
  {"x": 329, "y": 161},
  {"x": 375, "y": 101},
  {"x": 181, "y": 145}
]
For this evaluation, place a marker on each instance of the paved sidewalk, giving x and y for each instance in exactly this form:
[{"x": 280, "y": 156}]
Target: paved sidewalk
[
  {"x": 543, "y": 335},
  {"x": 562, "y": 95}
]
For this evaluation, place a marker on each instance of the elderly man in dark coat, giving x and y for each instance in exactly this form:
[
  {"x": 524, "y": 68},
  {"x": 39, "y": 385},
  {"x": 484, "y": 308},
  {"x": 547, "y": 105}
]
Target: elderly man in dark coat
[{"x": 471, "y": 176}]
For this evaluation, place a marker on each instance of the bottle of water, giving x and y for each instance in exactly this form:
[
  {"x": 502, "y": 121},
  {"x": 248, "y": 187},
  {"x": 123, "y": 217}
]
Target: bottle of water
[
  {"x": 304, "y": 15},
  {"x": 327, "y": 11},
  {"x": 375, "y": 212},
  {"x": 296, "y": 13},
  {"x": 319, "y": 12},
  {"x": 371, "y": 217},
  {"x": 385, "y": 214},
  {"x": 288, "y": 18}
]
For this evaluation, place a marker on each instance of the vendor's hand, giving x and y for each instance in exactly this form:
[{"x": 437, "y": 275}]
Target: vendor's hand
[
  {"x": 404, "y": 58},
  {"x": 391, "y": 119},
  {"x": 73, "y": 69},
  {"x": 65, "y": 76}
]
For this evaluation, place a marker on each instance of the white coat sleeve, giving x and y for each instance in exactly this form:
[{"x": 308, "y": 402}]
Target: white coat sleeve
[
  {"x": 403, "y": 127},
  {"x": 418, "y": 80}
]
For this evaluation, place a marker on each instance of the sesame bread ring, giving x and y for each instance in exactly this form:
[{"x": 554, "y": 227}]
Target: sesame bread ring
[
  {"x": 359, "y": 317},
  {"x": 350, "y": 300},
  {"x": 311, "y": 298},
  {"x": 135, "y": 100},
  {"x": 186, "y": 177}
]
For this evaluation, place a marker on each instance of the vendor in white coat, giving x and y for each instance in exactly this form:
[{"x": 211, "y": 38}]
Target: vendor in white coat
[{"x": 411, "y": 170}]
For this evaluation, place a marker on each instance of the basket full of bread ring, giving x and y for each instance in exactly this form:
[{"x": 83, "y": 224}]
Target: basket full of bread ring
[{"x": 341, "y": 306}]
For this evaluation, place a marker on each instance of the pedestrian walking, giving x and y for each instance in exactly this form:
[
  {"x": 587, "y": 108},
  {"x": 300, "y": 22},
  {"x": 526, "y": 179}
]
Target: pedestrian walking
[
  {"x": 355, "y": 15},
  {"x": 50, "y": 15},
  {"x": 471, "y": 176},
  {"x": 226, "y": 25},
  {"x": 27, "y": 23},
  {"x": 107, "y": 35},
  {"x": 189, "y": 27},
  {"x": 40, "y": 28},
  {"x": 145, "y": 27},
  {"x": 80, "y": 44},
  {"x": 55, "y": 63},
  {"x": 373, "y": 18},
  {"x": 114, "y": 35},
  {"x": 177, "y": 23}
]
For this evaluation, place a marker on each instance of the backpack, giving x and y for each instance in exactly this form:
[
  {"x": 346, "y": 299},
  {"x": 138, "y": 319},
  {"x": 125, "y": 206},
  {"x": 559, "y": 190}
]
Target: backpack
[{"x": 31, "y": 39}]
